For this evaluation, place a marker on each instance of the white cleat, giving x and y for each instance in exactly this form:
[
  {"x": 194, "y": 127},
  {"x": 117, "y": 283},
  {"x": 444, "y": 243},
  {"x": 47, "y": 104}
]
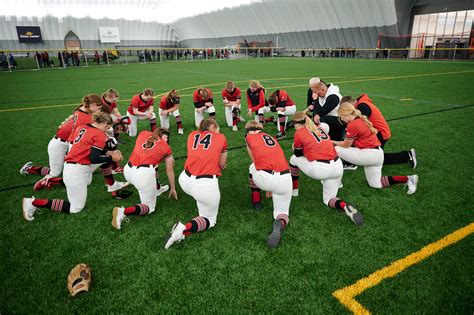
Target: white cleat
[
  {"x": 163, "y": 188},
  {"x": 241, "y": 119},
  {"x": 295, "y": 193},
  {"x": 176, "y": 234},
  {"x": 234, "y": 128},
  {"x": 353, "y": 214},
  {"x": 180, "y": 131},
  {"x": 341, "y": 185},
  {"x": 118, "y": 216},
  {"x": 24, "y": 169},
  {"x": 412, "y": 155},
  {"x": 28, "y": 208},
  {"x": 412, "y": 184},
  {"x": 117, "y": 186}
]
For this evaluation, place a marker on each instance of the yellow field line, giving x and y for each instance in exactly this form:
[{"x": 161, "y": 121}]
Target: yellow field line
[
  {"x": 286, "y": 86},
  {"x": 347, "y": 294}
]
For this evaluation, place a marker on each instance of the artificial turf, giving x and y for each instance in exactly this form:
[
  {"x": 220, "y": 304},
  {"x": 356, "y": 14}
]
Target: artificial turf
[{"x": 229, "y": 269}]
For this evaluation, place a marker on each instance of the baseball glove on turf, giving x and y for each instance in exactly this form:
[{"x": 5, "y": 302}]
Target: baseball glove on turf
[
  {"x": 79, "y": 279},
  {"x": 121, "y": 194}
]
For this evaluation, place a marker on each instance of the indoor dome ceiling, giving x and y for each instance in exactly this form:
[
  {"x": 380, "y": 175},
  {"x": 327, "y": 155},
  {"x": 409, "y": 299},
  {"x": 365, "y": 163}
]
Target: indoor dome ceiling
[{"x": 163, "y": 11}]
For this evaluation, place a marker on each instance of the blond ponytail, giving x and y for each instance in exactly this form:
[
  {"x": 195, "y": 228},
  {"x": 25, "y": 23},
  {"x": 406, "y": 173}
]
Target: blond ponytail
[{"x": 347, "y": 109}]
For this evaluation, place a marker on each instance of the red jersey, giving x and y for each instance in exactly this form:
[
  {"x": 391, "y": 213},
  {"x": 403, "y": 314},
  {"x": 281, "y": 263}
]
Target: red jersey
[
  {"x": 80, "y": 118},
  {"x": 376, "y": 117},
  {"x": 204, "y": 152},
  {"x": 232, "y": 97},
  {"x": 283, "y": 99},
  {"x": 85, "y": 137},
  {"x": 111, "y": 105},
  {"x": 358, "y": 131},
  {"x": 140, "y": 104},
  {"x": 256, "y": 100},
  {"x": 165, "y": 103},
  {"x": 149, "y": 153},
  {"x": 65, "y": 130},
  {"x": 267, "y": 153},
  {"x": 314, "y": 146},
  {"x": 199, "y": 100}
]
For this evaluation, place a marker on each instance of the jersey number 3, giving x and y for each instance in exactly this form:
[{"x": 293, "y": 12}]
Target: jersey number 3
[
  {"x": 81, "y": 133},
  {"x": 204, "y": 141}
]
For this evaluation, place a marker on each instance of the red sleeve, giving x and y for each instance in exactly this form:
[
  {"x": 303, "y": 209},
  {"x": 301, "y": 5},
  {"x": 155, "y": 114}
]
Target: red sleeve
[
  {"x": 239, "y": 93},
  {"x": 297, "y": 141},
  {"x": 151, "y": 101},
  {"x": 135, "y": 102},
  {"x": 261, "y": 99},
  {"x": 224, "y": 93},
  {"x": 352, "y": 131},
  {"x": 196, "y": 97},
  {"x": 163, "y": 102},
  {"x": 283, "y": 96}
]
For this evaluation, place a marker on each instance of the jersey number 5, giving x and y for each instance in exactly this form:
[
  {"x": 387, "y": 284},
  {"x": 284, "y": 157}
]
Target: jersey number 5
[
  {"x": 204, "y": 141},
  {"x": 82, "y": 132}
]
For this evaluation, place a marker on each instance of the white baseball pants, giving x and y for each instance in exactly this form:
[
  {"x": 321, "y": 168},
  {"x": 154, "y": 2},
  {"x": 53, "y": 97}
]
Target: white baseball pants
[
  {"x": 228, "y": 114},
  {"x": 199, "y": 116},
  {"x": 144, "y": 180},
  {"x": 77, "y": 177},
  {"x": 330, "y": 174},
  {"x": 57, "y": 150},
  {"x": 206, "y": 193},
  {"x": 280, "y": 186},
  {"x": 133, "y": 128},
  {"x": 370, "y": 159},
  {"x": 165, "y": 119}
]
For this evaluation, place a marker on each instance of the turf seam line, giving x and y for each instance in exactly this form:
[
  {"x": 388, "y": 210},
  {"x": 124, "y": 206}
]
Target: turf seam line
[
  {"x": 379, "y": 78},
  {"x": 348, "y": 294}
]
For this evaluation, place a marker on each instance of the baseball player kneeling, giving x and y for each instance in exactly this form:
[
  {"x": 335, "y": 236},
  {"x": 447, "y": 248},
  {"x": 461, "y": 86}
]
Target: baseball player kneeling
[
  {"x": 203, "y": 103},
  {"x": 362, "y": 147},
  {"x": 207, "y": 157},
  {"x": 269, "y": 171},
  {"x": 141, "y": 108},
  {"x": 150, "y": 149},
  {"x": 315, "y": 155},
  {"x": 169, "y": 104},
  {"x": 84, "y": 157},
  {"x": 231, "y": 97}
]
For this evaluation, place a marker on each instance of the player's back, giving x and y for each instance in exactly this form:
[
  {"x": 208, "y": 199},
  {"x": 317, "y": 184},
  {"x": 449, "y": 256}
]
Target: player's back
[
  {"x": 204, "y": 152},
  {"x": 267, "y": 153}
]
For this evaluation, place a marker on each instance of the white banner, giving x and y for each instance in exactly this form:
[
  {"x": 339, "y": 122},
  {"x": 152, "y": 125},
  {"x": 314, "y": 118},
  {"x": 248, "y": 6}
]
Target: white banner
[{"x": 109, "y": 34}]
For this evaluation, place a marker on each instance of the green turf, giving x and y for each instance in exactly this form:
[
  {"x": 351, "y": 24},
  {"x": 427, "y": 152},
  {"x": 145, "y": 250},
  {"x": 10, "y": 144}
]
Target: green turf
[{"x": 229, "y": 269}]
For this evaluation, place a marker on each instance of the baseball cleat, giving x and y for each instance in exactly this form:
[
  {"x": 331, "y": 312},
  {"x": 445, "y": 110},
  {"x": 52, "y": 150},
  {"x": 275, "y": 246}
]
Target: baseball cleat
[
  {"x": 349, "y": 166},
  {"x": 163, "y": 188},
  {"x": 180, "y": 131},
  {"x": 340, "y": 185},
  {"x": 353, "y": 214},
  {"x": 295, "y": 193},
  {"x": 176, "y": 234},
  {"x": 24, "y": 169},
  {"x": 280, "y": 135},
  {"x": 241, "y": 119},
  {"x": 28, "y": 208},
  {"x": 118, "y": 170},
  {"x": 234, "y": 128},
  {"x": 118, "y": 215},
  {"x": 412, "y": 161},
  {"x": 257, "y": 206},
  {"x": 117, "y": 186},
  {"x": 412, "y": 184},
  {"x": 275, "y": 237},
  {"x": 42, "y": 183}
]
